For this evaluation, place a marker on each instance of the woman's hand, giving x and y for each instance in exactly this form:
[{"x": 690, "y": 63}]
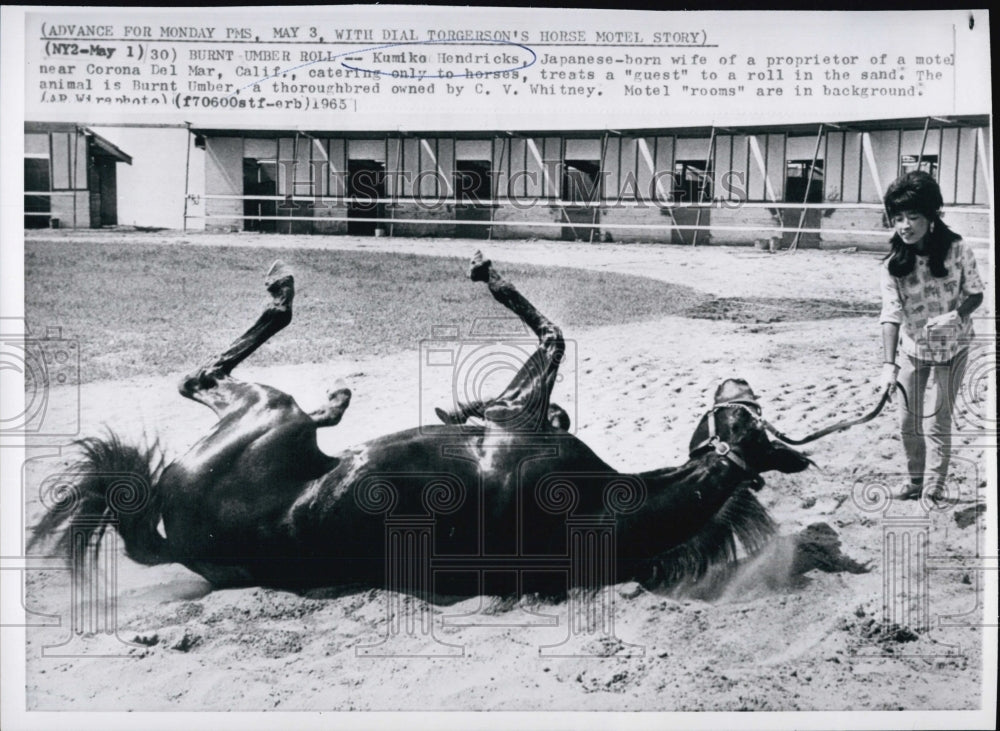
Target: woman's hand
[
  {"x": 887, "y": 382},
  {"x": 948, "y": 319}
]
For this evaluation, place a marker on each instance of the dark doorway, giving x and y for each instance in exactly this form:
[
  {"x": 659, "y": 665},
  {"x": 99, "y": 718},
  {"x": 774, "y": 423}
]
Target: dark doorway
[
  {"x": 692, "y": 181},
  {"x": 473, "y": 197},
  {"x": 927, "y": 163},
  {"x": 797, "y": 176},
  {"x": 107, "y": 192},
  {"x": 692, "y": 184},
  {"x": 580, "y": 186},
  {"x": 365, "y": 186},
  {"x": 579, "y": 183},
  {"x": 260, "y": 177},
  {"x": 36, "y": 178}
]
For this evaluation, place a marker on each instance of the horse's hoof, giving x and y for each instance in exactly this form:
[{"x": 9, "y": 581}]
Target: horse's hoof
[
  {"x": 337, "y": 402},
  {"x": 279, "y": 271},
  {"x": 339, "y": 397},
  {"x": 479, "y": 268}
]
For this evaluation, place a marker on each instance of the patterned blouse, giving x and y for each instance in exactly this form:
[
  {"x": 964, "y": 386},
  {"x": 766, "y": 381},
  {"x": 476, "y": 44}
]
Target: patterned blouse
[{"x": 912, "y": 300}]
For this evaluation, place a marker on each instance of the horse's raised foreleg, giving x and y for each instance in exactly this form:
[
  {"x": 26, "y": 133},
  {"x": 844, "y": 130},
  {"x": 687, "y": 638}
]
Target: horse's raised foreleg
[
  {"x": 549, "y": 335},
  {"x": 211, "y": 384}
]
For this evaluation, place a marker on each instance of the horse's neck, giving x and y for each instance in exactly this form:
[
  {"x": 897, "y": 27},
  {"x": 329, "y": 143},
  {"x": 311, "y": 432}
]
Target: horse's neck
[{"x": 701, "y": 483}]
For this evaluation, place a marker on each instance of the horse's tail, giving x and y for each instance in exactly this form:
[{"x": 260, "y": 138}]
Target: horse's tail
[{"x": 113, "y": 484}]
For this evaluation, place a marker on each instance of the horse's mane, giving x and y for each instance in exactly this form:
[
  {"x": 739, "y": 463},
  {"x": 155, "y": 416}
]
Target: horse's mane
[{"x": 741, "y": 519}]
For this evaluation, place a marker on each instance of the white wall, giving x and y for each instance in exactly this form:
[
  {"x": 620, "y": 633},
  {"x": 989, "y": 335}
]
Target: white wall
[{"x": 151, "y": 189}]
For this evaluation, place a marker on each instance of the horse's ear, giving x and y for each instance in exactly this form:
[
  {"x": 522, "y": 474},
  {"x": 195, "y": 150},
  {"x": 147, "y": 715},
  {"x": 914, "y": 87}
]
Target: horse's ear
[
  {"x": 444, "y": 416},
  {"x": 700, "y": 433}
]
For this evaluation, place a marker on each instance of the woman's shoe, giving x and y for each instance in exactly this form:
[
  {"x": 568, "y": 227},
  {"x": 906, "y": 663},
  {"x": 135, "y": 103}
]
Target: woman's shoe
[
  {"x": 913, "y": 492},
  {"x": 935, "y": 495}
]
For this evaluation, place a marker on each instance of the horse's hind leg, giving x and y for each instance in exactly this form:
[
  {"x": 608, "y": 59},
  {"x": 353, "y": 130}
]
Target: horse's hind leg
[
  {"x": 525, "y": 404},
  {"x": 210, "y": 384}
]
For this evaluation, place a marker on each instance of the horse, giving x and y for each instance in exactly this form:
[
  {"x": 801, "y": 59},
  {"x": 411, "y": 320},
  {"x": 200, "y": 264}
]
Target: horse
[{"x": 255, "y": 502}]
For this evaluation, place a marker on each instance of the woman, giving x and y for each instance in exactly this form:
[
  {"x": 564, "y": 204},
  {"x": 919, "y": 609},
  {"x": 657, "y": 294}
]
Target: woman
[{"x": 930, "y": 287}]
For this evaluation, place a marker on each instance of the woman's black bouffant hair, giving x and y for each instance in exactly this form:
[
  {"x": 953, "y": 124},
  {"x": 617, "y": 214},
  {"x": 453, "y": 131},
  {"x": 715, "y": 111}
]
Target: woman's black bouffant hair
[{"x": 918, "y": 192}]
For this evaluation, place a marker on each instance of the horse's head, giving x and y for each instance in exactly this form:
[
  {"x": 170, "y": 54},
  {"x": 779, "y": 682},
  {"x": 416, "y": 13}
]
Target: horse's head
[{"x": 733, "y": 427}]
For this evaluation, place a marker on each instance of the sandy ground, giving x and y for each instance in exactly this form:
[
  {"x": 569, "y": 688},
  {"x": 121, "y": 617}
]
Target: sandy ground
[{"x": 872, "y": 641}]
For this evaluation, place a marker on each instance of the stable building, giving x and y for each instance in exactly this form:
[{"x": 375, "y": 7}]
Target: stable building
[
  {"x": 70, "y": 177},
  {"x": 807, "y": 185}
]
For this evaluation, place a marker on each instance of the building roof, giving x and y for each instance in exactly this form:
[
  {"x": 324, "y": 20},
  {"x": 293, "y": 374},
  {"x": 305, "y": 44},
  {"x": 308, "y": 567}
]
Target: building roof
[
  {"x": 907, "y": 123},
  {"x": 101, "y": 146}
]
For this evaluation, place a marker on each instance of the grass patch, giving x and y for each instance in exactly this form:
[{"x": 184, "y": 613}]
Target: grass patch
[
  {"x": 165, "y": 308},
  {"x": 779, "y": 309}
]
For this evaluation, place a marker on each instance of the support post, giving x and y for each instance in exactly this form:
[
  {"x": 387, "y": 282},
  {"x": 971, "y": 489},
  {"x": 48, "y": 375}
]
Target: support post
[
  {"x": 701, "y": 192},
  {"x": 958, "y": 156},
  {"x": 975, "y": 164},
  {"x": 494, "y": 197},
  {"x": 923, "y": 141},
  {"x": 984, "y": 163},
  {"x": 805, "y": 198},
  {"x": 643, "y": 148},
  {"x": 395, "y": 185},
  {"x": 76, "y": 173},
  {"x": 187, "y": 172},
  {"x": 600, "y": 187},
  {"x": 291, "y": 183},
  {"x": 758, "y": 157}
]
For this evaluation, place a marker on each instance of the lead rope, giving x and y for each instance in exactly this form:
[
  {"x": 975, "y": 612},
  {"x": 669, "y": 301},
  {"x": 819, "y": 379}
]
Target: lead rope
[{"x": 839, "y": 426}]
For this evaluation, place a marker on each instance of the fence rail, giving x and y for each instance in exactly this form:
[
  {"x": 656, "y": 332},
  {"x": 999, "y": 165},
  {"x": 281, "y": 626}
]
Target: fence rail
[
  {"x": 302, "y": 203},
  {"x": 555, "y": 202}
]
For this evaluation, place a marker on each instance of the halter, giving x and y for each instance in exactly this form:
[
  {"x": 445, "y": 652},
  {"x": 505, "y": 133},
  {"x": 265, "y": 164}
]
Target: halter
[{"x": 722, "y": 448}]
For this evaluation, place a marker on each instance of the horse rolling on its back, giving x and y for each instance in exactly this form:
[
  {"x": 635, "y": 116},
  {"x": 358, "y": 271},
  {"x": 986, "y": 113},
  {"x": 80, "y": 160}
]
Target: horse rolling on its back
[{"x": 256, "y": 502}]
